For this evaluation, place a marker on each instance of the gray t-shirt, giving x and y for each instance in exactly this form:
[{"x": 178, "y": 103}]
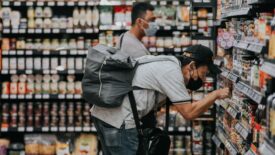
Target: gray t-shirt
[
  {"x": 132, "y": 46},
  {"x": 164, "y": 77}
]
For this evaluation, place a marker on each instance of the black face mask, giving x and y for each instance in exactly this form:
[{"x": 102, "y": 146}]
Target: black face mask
[{"x": 194, "y": 84}]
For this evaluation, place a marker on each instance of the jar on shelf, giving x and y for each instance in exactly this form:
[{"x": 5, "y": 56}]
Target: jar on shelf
[
  {"x": 109, "y": 38},
  {"x": 160, "y": 42},
  {"x": 80, "y": 43},
  {"x": 176, "y": 39}
]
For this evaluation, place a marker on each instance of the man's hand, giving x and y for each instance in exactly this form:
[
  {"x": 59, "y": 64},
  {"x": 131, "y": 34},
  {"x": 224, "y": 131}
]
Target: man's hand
[{"x": 222, "y": 93}]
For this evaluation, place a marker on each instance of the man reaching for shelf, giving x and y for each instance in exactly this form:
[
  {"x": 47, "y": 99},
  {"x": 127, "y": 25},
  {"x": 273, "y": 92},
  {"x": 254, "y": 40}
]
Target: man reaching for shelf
[{"x": 160, "y": 79}]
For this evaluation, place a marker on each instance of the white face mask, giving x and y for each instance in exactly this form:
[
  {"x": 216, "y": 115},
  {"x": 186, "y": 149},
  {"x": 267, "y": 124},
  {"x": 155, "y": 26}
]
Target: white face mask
[{"x": 151, "y": 30}]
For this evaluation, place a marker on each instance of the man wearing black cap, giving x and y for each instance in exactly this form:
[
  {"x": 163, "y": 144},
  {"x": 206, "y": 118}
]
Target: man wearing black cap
[{"x": 170, "y": 78}]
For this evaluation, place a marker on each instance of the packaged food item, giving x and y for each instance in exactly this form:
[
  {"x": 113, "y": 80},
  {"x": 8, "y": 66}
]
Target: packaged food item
[
  {"x": 6, "y": 88},
  {"x": 21, "y": 64},
  {"x": 4, "y": 144},
  {"x": 47, "y": 144},
  {"x": 31, "y": 144},
  {"x": 86, "y": 144}
]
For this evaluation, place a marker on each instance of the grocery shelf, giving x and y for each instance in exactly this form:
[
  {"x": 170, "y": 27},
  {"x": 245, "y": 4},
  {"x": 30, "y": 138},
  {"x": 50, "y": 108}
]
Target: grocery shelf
[
  {"x": 268, "y": 67},
  {"x": 48, "y": 129},
  {"x": 71, "y": 71},
  {"x": 250, "y": 92},
  {"x": 168, "y": 50},
  {"x": 40, "y": 96},
  {"x": 217, "y": 142},
  {"x": 252, "y": 2},
  {"x": 237, "y": 12},
  {"x": 267, "y": 148},
  {"x": 202, "y": 5},
  {"x": 252, "y": 150},
  {"x": 231, "y": 148},
  {"x": 203, "y": 37},
  {"x": 45, "y": 52},
  {"x": 243, "y": 131},
  {"x": 50, "y": 3},
  {"x": 51, "y": 31},
  {"x": 251, "y": 46},
  {"x": 172, "y": 2},
  {"x": 246, "y": 89}
]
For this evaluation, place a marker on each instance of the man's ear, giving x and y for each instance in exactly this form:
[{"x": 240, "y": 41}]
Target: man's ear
[{"x": 192, "y": 65}]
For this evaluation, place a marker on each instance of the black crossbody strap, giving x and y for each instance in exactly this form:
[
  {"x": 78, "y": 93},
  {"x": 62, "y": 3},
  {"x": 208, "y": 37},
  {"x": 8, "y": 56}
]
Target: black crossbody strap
[
  {"x": 121, "y": 39},
  {"x": 167, "y": 114},
  {"x": 135, "y": 112}
]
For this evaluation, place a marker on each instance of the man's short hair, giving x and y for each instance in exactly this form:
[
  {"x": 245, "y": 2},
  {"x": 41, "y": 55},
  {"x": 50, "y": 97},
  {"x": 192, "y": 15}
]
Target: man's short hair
[{"x": 139, "y": 10}]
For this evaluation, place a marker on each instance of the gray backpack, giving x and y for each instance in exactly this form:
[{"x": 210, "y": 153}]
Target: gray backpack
[{"x": 108, "y": 75}]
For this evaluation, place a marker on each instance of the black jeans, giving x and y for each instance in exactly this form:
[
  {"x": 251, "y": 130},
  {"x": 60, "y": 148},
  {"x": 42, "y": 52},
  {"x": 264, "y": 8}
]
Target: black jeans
[{"x": 116, "y": 141}]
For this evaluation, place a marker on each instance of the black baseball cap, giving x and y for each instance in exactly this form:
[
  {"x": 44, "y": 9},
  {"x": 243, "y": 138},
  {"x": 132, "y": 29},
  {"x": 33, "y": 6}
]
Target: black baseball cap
[{"x": 203, "y": 55}]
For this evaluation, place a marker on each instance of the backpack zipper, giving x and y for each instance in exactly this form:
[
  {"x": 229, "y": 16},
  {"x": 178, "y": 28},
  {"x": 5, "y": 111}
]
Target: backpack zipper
[{"x": 99, "y": 76}]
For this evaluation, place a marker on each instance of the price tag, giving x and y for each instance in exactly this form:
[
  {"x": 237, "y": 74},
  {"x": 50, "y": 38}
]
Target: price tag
[
  {"x": 177, "y": 50},
  {"x": 70, "y": 129},
  {"x": 81, "y": 52},
  {"x": 47, "y": 30},
  {"x": 46, "y": 52},
  {"x": 82, "y": 3},
  {"x": 175, "y": 3},
  {"x": 182, "y": 129},
  {"x": 5, "y": 96},
  {"x": 163, "y": 2},
  {"x": 45, "y": 129},
  {"x": 56, "y": 30},
  {"x": 78, "y": 129},
  {"x": 160, "y": 49},
  {"x": 28, "y": 52},
  {"x": 153, "y": 2},
  {"x": 21, "y": 96},
  {"x": 91, "y": 3},
  {"x": 40, "y": 3},
  {"x": 29, "y": 96},
  {"x": 5, "y": 52},
  {"x": 86, "y": 129},
  {"x": 30, "y": 30},
  {"x": 21, "y": 129},
  {"x": 61, "y": 96},
  {"x": 69, "y": 96},
  {"x": 12, "y": 71},
  {"x": 54, "y": 129},
  {"x": 73, "y": 52},
  {"x": 38, "y": 30},
  {"x": 60, "y": 3},
  {"x": 13, "y": 96},
  {"x": 96, "y": 30},
  {"x": 20, "y": 52},
  {"x": 28, "y": 71},
  {"x": 12, "y": 52},
  {"x": 70, "y": 3},
  {"x": 89, "y": 30},
  {"x": 6, "y": 31},
  {"x": 46, "y": 71},
  {"x": 5, "y": 71},
  {"x": 6, "y": 3},
  {"x": 167, "y": 27},
  {"x": 70, "y": 30},
  {"x": 77, "y": 30},
  {"x": 29, "y": 129},
  {"x": 77, "y": 96},
  {"x": 16, "y": 3},
  {"x": 194, "y": 27},
  {"x": 180, "y": 27},
  {"x": 170, "y": 129},
  {"x": 53, "y": 71},
  {"x": 46, "y": 96},
  {"x": 63, "y": 52},
  {"x": 93, "y": 129},
  {"x": 62, "y": 129},
  {"x": 71, "y": 71},
  {"x": 152, "y": 49},
  {"x": 189, "y": 128},
  {"x": 29, "y": 3},
  {"x": 15, "y": 30},
  {"x": 4, "y": 129},
  {"x": 38, "y": 96},
  {"x": 52, "y": 3}
]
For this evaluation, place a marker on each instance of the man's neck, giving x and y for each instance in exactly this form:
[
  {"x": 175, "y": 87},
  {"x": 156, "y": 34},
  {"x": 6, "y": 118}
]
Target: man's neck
[{"x": 134, "y": 31}]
